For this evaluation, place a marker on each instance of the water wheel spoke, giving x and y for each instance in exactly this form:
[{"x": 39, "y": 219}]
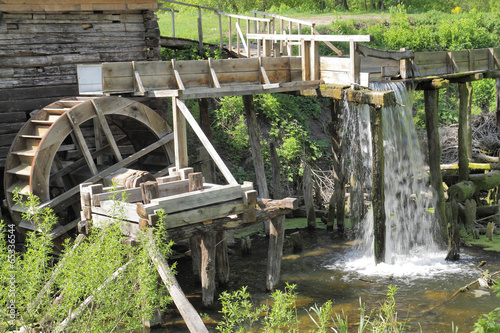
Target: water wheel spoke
[
  {"x": 107, "y": 131},
  {"x": 80, "y": 142}
]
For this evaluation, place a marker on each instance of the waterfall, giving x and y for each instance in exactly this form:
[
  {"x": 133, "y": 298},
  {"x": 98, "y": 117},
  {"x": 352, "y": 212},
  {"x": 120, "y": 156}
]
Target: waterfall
[{"x": 408, "y": 198}]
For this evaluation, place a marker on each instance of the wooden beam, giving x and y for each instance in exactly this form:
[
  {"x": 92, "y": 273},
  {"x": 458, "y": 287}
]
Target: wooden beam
[
  {"x": 207, "y": 247},
  {"x": 378, "y": 195},
  {"x": 180, "y": 141},
  {"x": 206, "y": 143},
  {"x": 318, "y": 38},
  {"x": 436, "y": 179},
  {"x": 188, "y": 312},
  {"x": 464, "y": 130},
  {"x": 213, "y": 74},
  {"x": 240, "y": 34},
  {"x": 275, "y": 253}
]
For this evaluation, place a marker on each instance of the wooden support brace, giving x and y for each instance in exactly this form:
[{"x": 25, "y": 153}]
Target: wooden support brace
[
  {"x": 206, "y": 143},
  {"x": 240, "y": 34},
  {"x": 186, "y": 309},
  {"x": 213, "y": 74},
  {"x": 178, "y": 79}
]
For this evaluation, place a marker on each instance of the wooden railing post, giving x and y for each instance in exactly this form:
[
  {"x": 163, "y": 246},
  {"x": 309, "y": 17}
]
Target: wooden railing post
[
  {"x": 200, "y": 31},
  {"x": 172, "y": 11},
  {"x": 221, "y": 43},
  {"x": 355, "y": 62}
]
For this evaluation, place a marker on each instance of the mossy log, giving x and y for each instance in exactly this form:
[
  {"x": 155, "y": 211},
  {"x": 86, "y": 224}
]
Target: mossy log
[{"x": 480, "y": 182}]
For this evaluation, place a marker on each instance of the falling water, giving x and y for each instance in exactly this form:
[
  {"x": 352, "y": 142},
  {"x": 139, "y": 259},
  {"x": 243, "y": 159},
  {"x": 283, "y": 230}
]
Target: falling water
[{"x": 410, "y": 229}]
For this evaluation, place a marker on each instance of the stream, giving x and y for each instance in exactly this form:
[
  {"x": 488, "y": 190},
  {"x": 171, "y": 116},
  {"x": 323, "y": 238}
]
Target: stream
[{"x": 330, "y": 269}]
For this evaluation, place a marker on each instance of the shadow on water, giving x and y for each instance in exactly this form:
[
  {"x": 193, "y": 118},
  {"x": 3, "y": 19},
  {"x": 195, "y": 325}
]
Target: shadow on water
[{"x": 323, "y": 271}]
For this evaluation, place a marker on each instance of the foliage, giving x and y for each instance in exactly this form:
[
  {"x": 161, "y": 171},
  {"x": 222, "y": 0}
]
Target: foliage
[
  {"x": 191, "y": 53},
  {"x": 283, "y": 118},
  {"x": 489, "y": 323},
  {"x": 123, "y": 302},
  {"x": 385, "y": 318}
]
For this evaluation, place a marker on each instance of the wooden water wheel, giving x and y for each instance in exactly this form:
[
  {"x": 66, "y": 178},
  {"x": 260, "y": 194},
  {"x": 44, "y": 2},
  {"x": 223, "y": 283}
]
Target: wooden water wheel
[{"x": 81, "y": 139}]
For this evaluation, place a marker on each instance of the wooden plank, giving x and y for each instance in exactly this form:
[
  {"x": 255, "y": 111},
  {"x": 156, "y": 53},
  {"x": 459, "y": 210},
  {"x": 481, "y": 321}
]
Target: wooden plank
[
  {"x": 185, "y": 218},
  {"x": 206, "y": 143},
  {"x": 134, "y": 194},
  {"x": 235, "y": 65},
  {"x": 215, "y": 80},
  {"x": 194, "y": 199},
  {"x": 336, "y": 77},
  {"x": 335, "y": 63},
  {"x": 479, "y": 59}
]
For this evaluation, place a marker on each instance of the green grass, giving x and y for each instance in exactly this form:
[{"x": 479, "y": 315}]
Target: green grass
[{"x": 485, "y": 243}]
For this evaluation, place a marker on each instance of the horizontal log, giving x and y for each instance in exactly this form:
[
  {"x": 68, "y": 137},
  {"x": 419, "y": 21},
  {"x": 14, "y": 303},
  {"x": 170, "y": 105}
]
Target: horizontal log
[
  {"x": 477, "y": 182},
  {"x": 71, "y": 48},
  {"x": 484, "y": 211},
  {"x": 58, "y": 18},
  {"x": 93, "y": 36},
  {"x": 76, "y": 28},
  {"x": 377, "y": 98},
  {"x": 38, "y": 81},
  {"x": 6, "y": 128},
  {"x": 39, "y": 61}
]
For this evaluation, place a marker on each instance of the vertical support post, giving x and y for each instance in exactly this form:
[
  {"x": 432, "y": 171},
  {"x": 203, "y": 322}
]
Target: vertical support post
[
  {"x": 337, "y": 201},
  {"x": 267, "y": 45},
  {"x": 259, "y": 41},
  {"x": 308, "y": 198},
  {"x": 238, "y": 37},
  {"x": 497, "y": 106},
  {"x": 355, "y": 62},
  {"x": 230, "y": 34},
  {"x": 194, "y": 245},
  {"x": 149, "y": 191},
  {"x": 253, "y": 133},
  {"x": 453, "y": 231},
  {"x": 172, "y": 11},
  {"x": 299, "y": 31},
  {"x": 222, "y": 258},
  {"x": 258, "y": 161},
  {"x": 404, "y": 66},
  {"x": 248, "y": 40},
  {"x": 180, "y": 136},
  {"x": 221, "y": 44},
  {"x": 306, "y": 61},
  {"x": 314, "y": 55},
  {"x": 281, "y": 31},
  {"x": 275, "y": 165},
  {"x": 436, "y": 179},
  {"x": 208, "y": 268},
  {"x": 200, "y": 31},
  {"x": 464, "y": 128},
  {"x": 378, "y": 195},
  {"x": 276, "y": 237}
]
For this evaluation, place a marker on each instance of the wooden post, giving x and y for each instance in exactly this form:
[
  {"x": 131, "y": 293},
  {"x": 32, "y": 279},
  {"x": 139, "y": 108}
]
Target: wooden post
[
  {"x": 222, "y": 258},
  {"x": 314, "y": 57},
  {"x": 337, "y": 201},
  {"x": 246, "y": 245},
  {"x": 208, "y": 268},
  {"x": 355, "y": 62},
  {"x": 308, "y": 198},
  {"x": 205, "y": 117},
  {"x": 221, "y": 44},
  {"x": 297, "y": 243},
  {"x": 180, "y": 136},
  {"x": 230, "y": 34},
  {"x": 378, "y": 196},
  {"x": 195, "y": 181},
  {"x": 453, "y": 231},
  {"x": 464, "y": 130},
  {"x": 194, "y": 245},
  {"x": 200, "y": 31},
  {"x": 253, "y": 134},
  {"x": 275, "y": 165},
  {"x": 306, "y": 60},
  {"x": 436, "y": 180},
  {"x": 276, "y": 237},
  {"x": 172, "y": 11},
  {"x": 149, "y": 190},
  {"x": 497, "y": 110}
]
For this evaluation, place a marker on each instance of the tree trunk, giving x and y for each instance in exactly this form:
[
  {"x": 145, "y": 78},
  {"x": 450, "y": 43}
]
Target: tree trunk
[
  {"x": 275, "y": 165},
  {"x": 453, "y": 231}
]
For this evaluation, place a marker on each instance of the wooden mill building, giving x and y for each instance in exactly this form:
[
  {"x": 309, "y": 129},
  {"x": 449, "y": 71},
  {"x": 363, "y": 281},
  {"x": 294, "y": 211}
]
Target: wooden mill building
[{"x": 42, "y": 41}]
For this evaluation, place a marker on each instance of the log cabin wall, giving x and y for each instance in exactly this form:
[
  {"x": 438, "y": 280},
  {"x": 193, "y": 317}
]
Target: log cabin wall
[{"x": 41, "y": 43}]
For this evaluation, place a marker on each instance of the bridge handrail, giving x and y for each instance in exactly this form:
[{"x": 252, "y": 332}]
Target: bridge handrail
[
  {"x": 317, "y": 38},
  {"x": 284, "y": 18}
]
